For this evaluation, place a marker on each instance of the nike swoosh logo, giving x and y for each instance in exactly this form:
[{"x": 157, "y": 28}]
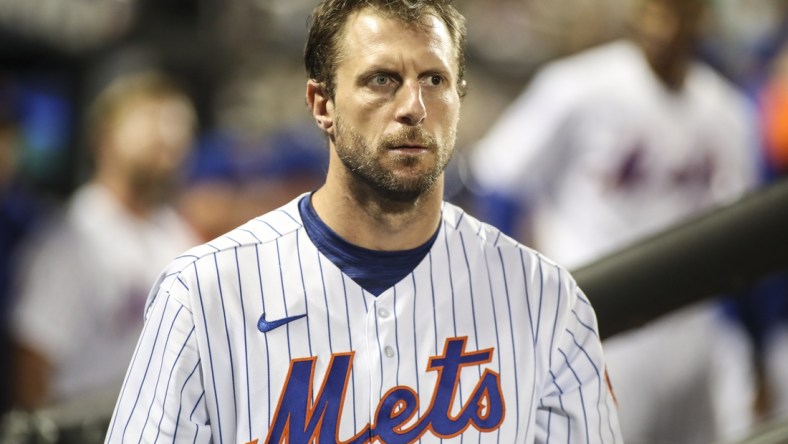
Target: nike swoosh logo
[{"x": 266, "y": 326}]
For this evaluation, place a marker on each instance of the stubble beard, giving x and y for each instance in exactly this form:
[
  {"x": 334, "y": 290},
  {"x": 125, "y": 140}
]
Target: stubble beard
[{"x": 389, "y": 176}]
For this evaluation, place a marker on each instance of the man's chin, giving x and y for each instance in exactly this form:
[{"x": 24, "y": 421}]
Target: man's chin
[{"x": 405, "y": 189}]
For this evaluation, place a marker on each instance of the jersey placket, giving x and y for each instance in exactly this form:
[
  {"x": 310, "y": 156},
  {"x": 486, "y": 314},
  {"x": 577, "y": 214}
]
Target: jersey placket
[{"x": 382, "y": 347}]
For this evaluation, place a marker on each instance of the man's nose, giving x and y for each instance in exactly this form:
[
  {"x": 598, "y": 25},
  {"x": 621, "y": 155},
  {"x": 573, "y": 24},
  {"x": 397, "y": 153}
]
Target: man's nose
[{"x": 411, "y": 110}]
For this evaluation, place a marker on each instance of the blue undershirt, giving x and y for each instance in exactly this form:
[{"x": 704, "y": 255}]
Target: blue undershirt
[{"x": 375, "y": 271}]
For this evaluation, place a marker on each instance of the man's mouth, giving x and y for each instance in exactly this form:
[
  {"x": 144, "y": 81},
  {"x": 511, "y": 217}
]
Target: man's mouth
[{"x": 410, "y": 147}]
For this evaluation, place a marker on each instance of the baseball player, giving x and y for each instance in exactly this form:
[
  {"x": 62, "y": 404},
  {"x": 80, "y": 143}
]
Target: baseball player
[{"x": 370, "y": 310}]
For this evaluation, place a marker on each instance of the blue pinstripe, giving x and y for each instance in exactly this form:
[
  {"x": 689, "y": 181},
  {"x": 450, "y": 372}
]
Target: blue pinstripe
[
  {"x": 180, "y": 400},
  {"x": 169, "y": 379},
  {"x": 555, "y": 321},
  {"x": 325, "y": 301},
  {"x": 246, "y": 343},
  {"x": 514, "y": 350},
  {"x": 284, "y": 298},
  {"x": 191, "y": 415},
  {"x": 380, "y": 350},
  {"x": 528, "y": 299},
  {"x": 533, "y": 333},
  {"x": 453, "y": 301},
  {"x": 415, "y": 340},
  {"x": 227, "y": 334},
  {"x": 350, "y": 347},
  {"x": 434, "y": 315},
  {"x": 599, "y": 386},
  {"x": 579, "y": 391},
  {"x": 269, "y": 226},
  {"x": 303, "y": 288},
  {"x": 251, "y": 234},
  {"x": 210, "y": 354},
  {"x": 147, "y": 367},
  {"x": 396, "y": 333},
  {"x": 561, "y": 403},
  {"x": 471, "y": 297},
  {"x": 267, "y": 354},
  {"x": 495, "y": 319},
  {"x": 580, "y": 321},
  {"x": 161, "y": 370},
  {"x": 541, "y": 297}
]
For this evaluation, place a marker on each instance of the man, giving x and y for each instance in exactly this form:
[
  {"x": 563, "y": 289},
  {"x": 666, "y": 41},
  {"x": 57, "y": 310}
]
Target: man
[
  {"x": 79, "y": 292},
  {"x": 614, "y": 144},
  {"x": 370, "y": 310}
]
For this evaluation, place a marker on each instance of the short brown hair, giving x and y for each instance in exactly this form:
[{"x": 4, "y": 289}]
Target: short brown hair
[{"x": 329, "y": 17}]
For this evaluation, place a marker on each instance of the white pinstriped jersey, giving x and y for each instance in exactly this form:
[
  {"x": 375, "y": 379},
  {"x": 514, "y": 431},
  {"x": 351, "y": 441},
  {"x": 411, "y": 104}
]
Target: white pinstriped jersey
[{"x": 485, "y": 341}]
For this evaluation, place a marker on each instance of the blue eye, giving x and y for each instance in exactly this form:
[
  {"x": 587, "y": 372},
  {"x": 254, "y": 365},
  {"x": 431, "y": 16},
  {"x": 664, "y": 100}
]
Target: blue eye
[{"x": 381, "y": 80}]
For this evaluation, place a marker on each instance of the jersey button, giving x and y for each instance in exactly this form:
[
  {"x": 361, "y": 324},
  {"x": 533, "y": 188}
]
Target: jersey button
[
  {"x": 383, "y": 313},
  {"x": 389, "y": 351}
]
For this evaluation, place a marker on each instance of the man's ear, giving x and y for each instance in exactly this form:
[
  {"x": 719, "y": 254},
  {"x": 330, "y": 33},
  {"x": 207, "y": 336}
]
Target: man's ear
[{"x": 321, "y": 105}]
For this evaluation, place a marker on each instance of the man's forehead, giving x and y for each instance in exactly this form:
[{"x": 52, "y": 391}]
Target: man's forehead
[{"x": 368, "y": 27}]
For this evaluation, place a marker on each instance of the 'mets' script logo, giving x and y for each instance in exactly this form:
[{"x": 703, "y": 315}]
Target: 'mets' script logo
[{"x": 300, "y": 420}]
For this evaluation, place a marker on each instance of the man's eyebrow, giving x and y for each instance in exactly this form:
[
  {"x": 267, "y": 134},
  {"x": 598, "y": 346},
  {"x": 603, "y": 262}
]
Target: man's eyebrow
[
  {"x": 382, "y": 68},
  {"x": 377, "y": 69}
]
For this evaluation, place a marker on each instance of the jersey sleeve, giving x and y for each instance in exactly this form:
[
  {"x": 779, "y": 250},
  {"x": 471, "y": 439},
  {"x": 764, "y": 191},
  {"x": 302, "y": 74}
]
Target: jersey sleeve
[
  {"x": 162, "y": 398},
  {"x": 577, "y": 404}
]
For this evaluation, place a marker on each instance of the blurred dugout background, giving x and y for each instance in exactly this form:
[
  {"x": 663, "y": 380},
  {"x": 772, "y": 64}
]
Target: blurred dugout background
[
  {"x": 242, "y": 60},
  {"x": 241, "y": 63}
]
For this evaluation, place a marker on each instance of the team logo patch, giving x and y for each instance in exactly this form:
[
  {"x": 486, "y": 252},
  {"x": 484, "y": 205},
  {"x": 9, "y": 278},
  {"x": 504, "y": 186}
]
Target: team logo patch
[{"x": 299, "y": 419}]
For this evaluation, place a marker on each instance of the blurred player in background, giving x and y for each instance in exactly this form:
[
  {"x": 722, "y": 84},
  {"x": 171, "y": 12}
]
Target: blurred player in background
[
  {"x": 613, "y": 144},
  {"x": 81, "y": 286}
]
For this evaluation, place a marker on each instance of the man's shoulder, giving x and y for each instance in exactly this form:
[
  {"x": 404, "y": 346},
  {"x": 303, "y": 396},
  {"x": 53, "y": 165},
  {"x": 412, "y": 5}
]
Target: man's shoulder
[
  {"x": 470, "y": 229},
  {"x": 487, "y": 243},
  {"x": 263, "y": 229}
]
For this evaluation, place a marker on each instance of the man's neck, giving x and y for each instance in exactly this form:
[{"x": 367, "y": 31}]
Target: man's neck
[{"x": 366, "y": 219}]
